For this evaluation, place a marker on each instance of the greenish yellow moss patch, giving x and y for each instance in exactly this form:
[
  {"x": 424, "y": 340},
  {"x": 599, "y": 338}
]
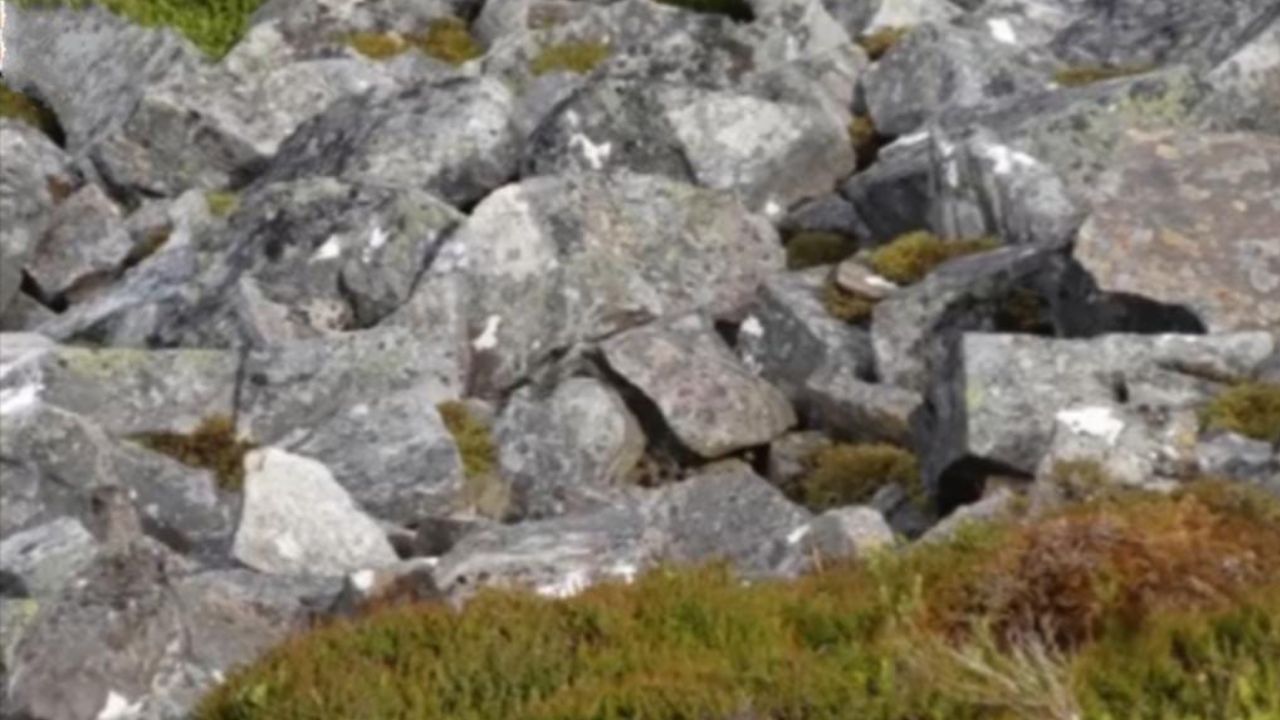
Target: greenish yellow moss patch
[
  {"x": 575, "y": 56},
  {"x": 222, "y": 202},
  {"x": 881, "y": 41},
  {"x": 1145, "y": 607},
  {"x": 844, "y": 305},
  {"x": 739, "y": 10},
  {"x": 212, "y": 446},
  {"x": 845, "y": 474},
  {"x": 17, "y": 106},
  {"x": 483, "y": 490},
  {"x": 446, "y": 39},
  {"x": 812, "y": 248},
  {"x": 1250, "y": 409},
  {"x": 910, "y": 257},
  {"x": 214, "y": 26},
  {"x": 866, "y": 140},
  {"x": 1082, "y": 75}
]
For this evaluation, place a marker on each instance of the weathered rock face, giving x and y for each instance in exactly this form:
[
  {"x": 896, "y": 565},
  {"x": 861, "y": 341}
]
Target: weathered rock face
[
  {"x": 1192, "y": 220},
  {"x": 298, "y": 521},
  {"x": 1245, "y": 91},
  {"x": 40, "y": 561},
  {"x": 86, "y": 241},
  {"x": 555, "y": 261},
  {"x": 711, "y": 403}
]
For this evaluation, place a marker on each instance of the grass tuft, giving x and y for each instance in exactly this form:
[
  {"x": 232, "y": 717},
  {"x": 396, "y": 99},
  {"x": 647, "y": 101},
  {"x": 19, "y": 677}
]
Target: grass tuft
[
  {"x": 575, "y": 56},
  {"x": 847, "y": 474},
  {"x": 214, "y": 26},
  {"x": 881, "y": 41},
  {"x": 1250, "y": 409},
  {"x": 212, "y": 446}
]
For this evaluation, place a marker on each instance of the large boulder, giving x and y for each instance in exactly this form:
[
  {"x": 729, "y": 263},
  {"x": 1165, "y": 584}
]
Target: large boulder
[
  {"x": 1246, "y": 87},
  {"x": 85, "y": 244},
  {"x": 556, "y": 261},
  {"x": 1191, "y": 220},
  {"x": 709, "y": 400}
]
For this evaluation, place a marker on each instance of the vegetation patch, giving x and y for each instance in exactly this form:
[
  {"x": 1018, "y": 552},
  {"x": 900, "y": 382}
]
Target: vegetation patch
[
  {"x": 738, "y": 10},
  {"x": 1250, "y": 409},
  {"x": 575, "y": 56},
  {"x": 881, "y": 41},
  {"x": 1141, "y": 607},
  {"x": 1082, "y": 75},
  {"x": 445, "y": 39},
  {"x": 848, "y": 474},
  {"x": 214, "y": 26},
  {"x": 484, "y": 489},
  {"x": 844, "y": 305},
  {"x": 212, "y": 446},
  {"x": 222, "y": 202},
  {"x": 812, "y": 248},
  {"x": 22, "y": 108},
  {"x": 866, "y": 140},
  {"x": 910, "y": 257}
]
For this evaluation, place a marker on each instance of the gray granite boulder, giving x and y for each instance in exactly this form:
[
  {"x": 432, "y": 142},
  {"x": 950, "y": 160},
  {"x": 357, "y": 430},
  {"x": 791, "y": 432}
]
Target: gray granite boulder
[
  {"x": 847, "y": 407},
  {"x": 708, "y": 399},
  {"x": 39, "y": 562},
  {"x": 841, "y": 534},
  {"x": 1246, "y": 87},
  {"x": 85, "y": 243}
]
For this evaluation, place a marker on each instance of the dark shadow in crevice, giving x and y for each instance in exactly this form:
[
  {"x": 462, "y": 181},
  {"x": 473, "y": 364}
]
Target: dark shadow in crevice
[
  {"x": 662, "y": 440},
  {"x": 1126, "y": 313},
  {"x": 964, "y": 481}
]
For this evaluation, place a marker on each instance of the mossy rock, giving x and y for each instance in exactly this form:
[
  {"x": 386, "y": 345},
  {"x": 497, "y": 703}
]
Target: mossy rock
[
  {"x": 1251, "y": 409},
  {"x": 880, "y": 42},
  {"x": 910, "y": 257},
  {"x": 575, "y": 56},
  {"x": 22, "y": 108},
  {"x": 445, "y": 39},
  {"x": 212, "y": 446},
  {"x": 214, "y": 26},
  {"x": 1082, "y": 75},
  {"x": 812, "y": 248},
  {"x": 844, "y": 305},
  {"x": 738, "y": 10},
  {"x": 484, "y": 490},
  {"x": 850, "y": 474},
  {"x": 1158, "y": 625},
  {"x": 222, "y": 202}
]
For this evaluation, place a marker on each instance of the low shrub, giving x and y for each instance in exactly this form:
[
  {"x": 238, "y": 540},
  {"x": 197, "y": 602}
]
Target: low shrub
[
  {"x": 910, "y": 257},
  {"x": 214, "y": 26},
  {"x": 211, "y": 446},
  {"x": 575, "y": 56},
  {"x": 1250, "y": 409},
  {"x": 847, "y": 474}
]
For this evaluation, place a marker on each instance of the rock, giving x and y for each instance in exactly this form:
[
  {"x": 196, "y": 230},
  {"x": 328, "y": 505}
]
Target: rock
[
  {"x": 711, "y": 403},
  {"x": 914, "y": 331},
  {"x": 406, "y": 581},
  {"x": 1246, "y": 87},
  {"x": 790, "y": 458},
  {"x": 364, "y": 404},
  {"x": 454, "y": 139},
  {"x": 939, "y": 68},
  {"x": 732, "y": 515},
  {"x": 909, "y": 13},
  {"x": 1189, "y": 219},
  {"x": 995, "y": 506},
  {"x": 24, "y": 314},
  {"x": 829, "y": 213},
  {"x": 848, "y": 408},
  {"x": 35, "y": 176},
  {"x": 895, "y": 195},
  {"x": 852, "y": 276},
  {"x": 841, "y": 534},
  {"x": 568, "y": 452},
  {"x": 853, "y": 16},
  {"x": 1000, "y": 405},
  {"x": 555, "y": 261},
  {"x": 298, "y": 521},
  {"x": 86, "y": 241},
  {"x": 1238, "y": 457},
  {"x": 788, "y": 335},
  {"x": 38, "y": 562}
]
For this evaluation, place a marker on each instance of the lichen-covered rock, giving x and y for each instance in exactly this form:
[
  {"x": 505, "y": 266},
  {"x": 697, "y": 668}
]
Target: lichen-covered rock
[
  {"x": 86, "y": 240},
  {"x": 1192, "y": 220},
  {"x": 555, "y": 261},
  {"x": 39, "y": 562},
  {"x": 1236, "y": 456},
  {"x": 709, "y": 400},
  {"x": 455, "y": 139},
  {"x": 298, "y": 521},
  {"x": 567, "y": 452},
  {"x": 364, "y": 404},
  {"x": 894, "y": 195},
  {"x": 841, "y": 534},
  {"x": 847, "y": 407},
  {"x": 1245, "y": 91},
  {"x": 35, "y": 176}
]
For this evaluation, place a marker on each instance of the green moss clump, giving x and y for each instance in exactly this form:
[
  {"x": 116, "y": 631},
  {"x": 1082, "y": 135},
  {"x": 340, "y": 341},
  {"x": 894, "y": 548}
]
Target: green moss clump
[
  {"x": 378, "y": 46},
  {"x": 575, "y": 56},
  {"x": 844, "y": 305},
  {"x": 1144, "y": 608},
  {"x": 1250, "y": 409},
  {"x": 866, "y": 140},
  {"x": 812, "y": 248},
  {"x": 446, "y": 39},
  {"x": 222, "y": 202},
  {"x": 1089, "y": 74},
  {"x": 483, "y": 491},
  {"x": 214, "y": 26},
  {"x": 212, "y": 446},
  {"x": 910, "y": 257},
  {"x": 881, "y": 41},
  {"x": 14, "y": 104},
  {"x": 739, "y": 10},
  {"x": 846, "y": 474}
]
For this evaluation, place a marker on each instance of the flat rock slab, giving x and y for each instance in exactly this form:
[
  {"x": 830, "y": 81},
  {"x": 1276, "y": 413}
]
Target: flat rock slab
[
  {"x": 297, "y": 520},
  {"x": 1192, "y": 219}
]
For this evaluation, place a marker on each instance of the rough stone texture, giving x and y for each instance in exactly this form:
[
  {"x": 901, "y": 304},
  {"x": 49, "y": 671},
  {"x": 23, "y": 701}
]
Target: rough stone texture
[
  {"x": 829, "y": 213},
  {"x": 24, "y": 314},
  {"x": 85, "y": 238},
  {"x": 454, "y": 139},
  {"x": 711, "y": 402},
  {"x": 842, "y": 533},
  {"x": 406, "y": 581},
  {"x": 730, "y": 514},
  {"x": 1001, "y": 404},
  {"x": 566, "y": 452},
  {"x": 38, "y": 562},
  {"x": 34, "y": 177},
  {"x": 790, "y": 455},
  {"x": 788, "y": 335},
  {"x": 938, "y": 68},
  {"x": 894, "y": 195},
  {"x": 837, "y": 401},
  {"x": 298, "y": 521},
  {"x": 909, "y": 13},
  {"x": 1193, "y": 220},
  {"x": 994, "y": 506},
  {"x": 554, "y": 261},
  {"x": 1235, "y": 456},
  {"x": 1246, "y": 87},
  {"x": 364, "y": 405}
]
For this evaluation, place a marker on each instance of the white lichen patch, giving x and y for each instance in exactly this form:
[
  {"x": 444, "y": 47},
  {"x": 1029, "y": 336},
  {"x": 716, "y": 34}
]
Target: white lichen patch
[
  {"x": 568, "y": 585},
  {"x": 377, "y": 239},
  {"x": 362, "y": 580},
  {"x": 772, "y": 209},
  {"x": 19, "y": 399},
  {"x": 118, "y": 707},
  {"x": 880, "y": 282},
  {"x": 1094, "y": 421},
  {"x": 1002, "y": 30},
  {"x": 488, "y": 339},
  {"x": 330, "y": 250},
  {"x": 798, "y": 534},
  {"x": 1006, "y": 159},
  {"x": 595, "y": 154},
  {"x": 751, "y": 326}
]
